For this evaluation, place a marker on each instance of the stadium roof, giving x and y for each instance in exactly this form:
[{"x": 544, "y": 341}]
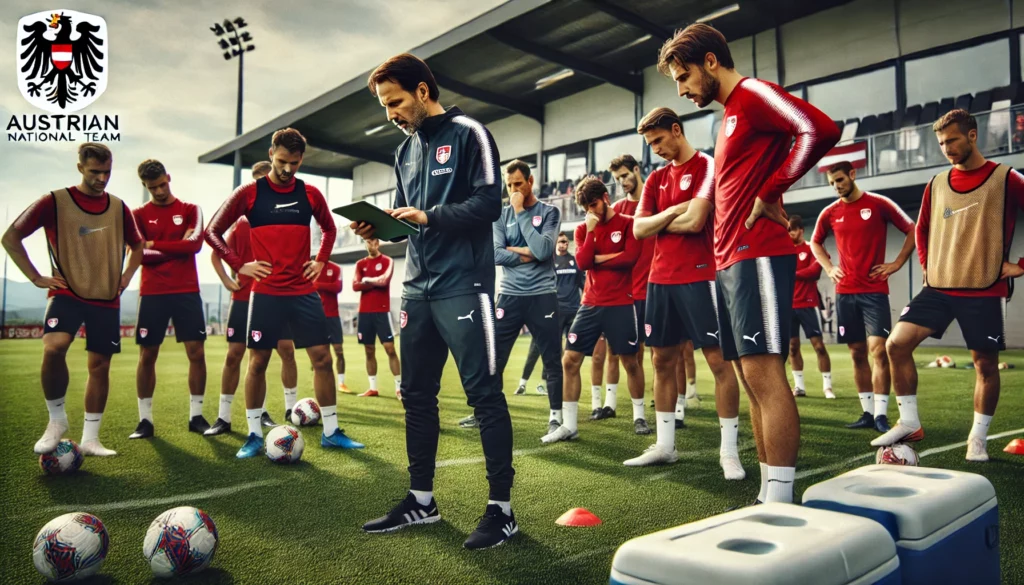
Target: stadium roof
[{"x": 490, "y": 67}]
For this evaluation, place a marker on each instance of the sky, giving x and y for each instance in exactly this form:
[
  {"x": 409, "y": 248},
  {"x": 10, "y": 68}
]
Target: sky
[{"x": 175, "y": 94}]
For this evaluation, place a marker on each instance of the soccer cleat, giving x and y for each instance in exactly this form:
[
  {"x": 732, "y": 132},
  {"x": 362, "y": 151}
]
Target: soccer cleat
[
  {"x": 144, "y": 430},
  {"x": 829, "y": 395},
  {"x": 94, "y": 448},
  {"x": 977, "y": 449},
  {"x": 287, "y": 416},
  {"x": 198, "y": 424},
  {"x": 866, "y": 421},
  {"x": 562, "y": 433},
  {"x": 692, "y": 399},
  {"x": 339, "y": 440},
  {"x": 343, "y": 389},
  {"x": 495, "y": 528},
  {"x": 640, "y": 427},
  {"x": 407, "y": 513},
  {"x": 553, "y": 426},
  {"x": 680, "y": 424},
  {"x": 268, "y": 422},
  {"x": 541, "y": 389},
  {"x": 252, "y": 447},
  {"x": 219, "y": 428},
  {"x": 55, "y": 430},
  {"x": 799, "y": 392},
  {"x": 882, "y": 423},
  {"x": 596, "y": 414},
  {"x": 653, "y": 455},
  {"x": 469, "y": 422},
  {"x": 900, "y": 433},
  {"x": 606, "y": 412},
  {"x": 521, "y": 390},
  {"x": 732, "y": 467},
  {"x": 369, "y": 394}
]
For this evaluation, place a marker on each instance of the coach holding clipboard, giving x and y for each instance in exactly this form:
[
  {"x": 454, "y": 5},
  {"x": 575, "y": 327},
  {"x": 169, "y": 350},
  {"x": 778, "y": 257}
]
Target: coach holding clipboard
[{"x": 448, "y": 184}]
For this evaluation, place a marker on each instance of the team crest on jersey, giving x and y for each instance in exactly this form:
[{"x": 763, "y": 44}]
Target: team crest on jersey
[
  {"x": 378, "y": 266},
  {"x": 905, "y": 310},
  {"x": 536, "y": 221},
  {"x": 865, "y": 214},
  {"x": 684, "y": 183},
  {"x": 51, "y": 323},
  {"x": 572, "y": 338},
  {"x": 178, "y": 220},
  {"x": 572, "y": 263},
  {"x": 647, "y": 329},
  {"x": 499, "y": 313},
  {"x": 231, "y": 331},
  {"x": 443, "y": 153},
  {"x": 730, "y": 125},
  {"x": 803, "y": 256},
  {"x": 403, "y": 319},
  {"x": 143, "y": 332},
  {"x": 842, "y": 330},
  {"x": 330, "y": 272},
  {"x": 360, "y": 336},
  {"x": 257, "y": 335},
  {"x": 616, "y": 237}
]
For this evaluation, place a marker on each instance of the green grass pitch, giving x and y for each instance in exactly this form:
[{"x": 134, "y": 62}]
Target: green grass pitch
[{"x": 301, "y": 523}]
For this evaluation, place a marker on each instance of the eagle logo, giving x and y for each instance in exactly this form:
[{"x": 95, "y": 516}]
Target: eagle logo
[{"x": 62, "y": 60}]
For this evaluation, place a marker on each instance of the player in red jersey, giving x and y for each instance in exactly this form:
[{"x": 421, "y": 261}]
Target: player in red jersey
[
  {"x": 965, "y": 259},
  {"x": 173, "y": 231},
  {"x": 328, "y": 286},
  {"x": 280, "y": 208},
  {"x": 607, "y": 250},
  {"x": 372, "y": 279},
  {"x": 86, "y": 230},
  {"x": 238, "y": 239},
  {"x": 767, "y": 141},
  {"x": 805, "y": 313},
  {"x": 859, "y": 221},
  {"x": 682, "y": 301}
]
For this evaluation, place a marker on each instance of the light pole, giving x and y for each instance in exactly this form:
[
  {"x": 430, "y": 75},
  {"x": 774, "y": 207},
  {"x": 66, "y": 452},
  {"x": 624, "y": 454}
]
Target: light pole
[{"x": 235, "y": 44}]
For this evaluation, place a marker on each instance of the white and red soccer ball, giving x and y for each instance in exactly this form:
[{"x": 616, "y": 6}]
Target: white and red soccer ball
[
  {"x": 66, "y": 458},
  {"x": 306, "y": 412},
  {"x": 181, "y": 541},
  {"x": 70, "y": 547},
  {"x": 284, "y": 444},
  {"x": 942, "y": 361},
  {"x": 898, "y": 454}
]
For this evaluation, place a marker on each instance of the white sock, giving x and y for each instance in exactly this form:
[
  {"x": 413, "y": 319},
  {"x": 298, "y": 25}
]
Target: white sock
[
  {"x": 780, "y": 484},
  {"x": 866, "y": 402},
  {"x": 980, "y": 428},
  {"x": 373, "y": 382},
  {"x": 638, "y": 409},
  {"x": 506, "y": 507},
  {"x": 666, "y": 423},
  {"x": 253, "y": 416},
  {"x": 595, "y": 397},
  {"x": 195, "y": 405},
  {"x": 91, "y": 429},
  {"x": 881, "y": 404},
  {"x": 826, "y": 380},
  {"x": 422, "y": 498},
  {"x": 341, "y": 379},
  {"x": 329, "y": 416},
  {"x": 291, "y": 396},
  {"x": 798, "y": 379},
  {"x": 56, "y": 409},
  {"x": 908, "y": 411},
  {"x": 691, "y": 388},
  {"x": 224, "y": 413},
  {"x": 762, "y": 495},
  {"x": 681, "y": 407},
  {"x": 730, "y": 428},
  {"x": 556, "y": 414},
  {"x": 611, "y": 396},
  {"x": 570, "y": 411},
  {"x": 523, "y": 381},
  {"x": 146, "y": 409},
  {"x": 398, "y": 383}
]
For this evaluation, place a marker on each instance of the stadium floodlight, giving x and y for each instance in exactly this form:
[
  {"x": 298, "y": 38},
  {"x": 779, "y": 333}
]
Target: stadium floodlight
[
  {"x": 236, "y": 44},
  {"x": 554, "y": 78},
  {"x": 376, "y": 129},
  {"x": 719, "y": 13}
]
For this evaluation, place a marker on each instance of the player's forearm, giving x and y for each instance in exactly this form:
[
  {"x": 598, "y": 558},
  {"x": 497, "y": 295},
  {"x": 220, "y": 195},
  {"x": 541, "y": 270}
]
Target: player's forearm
[
  {"x": 646, "y": 227},
  {"x": 907, "y": 249},
  {"x": 151, "y": 257},
  {"x": 687, "y": 223},
  {"x": 17, "y": 253},
  {"x": 188, "y": 247},
  {"x": 821, "y": 256},
  {"x": 505, "y": 257},
  {"x": 134, "y": 260},
  {"x": 585, "y": 252},
  {"x": 540, "y": 245}
]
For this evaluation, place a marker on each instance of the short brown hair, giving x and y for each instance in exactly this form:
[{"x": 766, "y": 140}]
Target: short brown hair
[
  {"x": 843, "y": 166},
  {"x": 623, "y": 160},
  {"x": 408, "y": 71},
  {"x": 691, "y": 44},
  {"x": 796, "y": 222},
  {"x": 960, "y": 117},
  {"x": 262, "y": 168},
  {"x": 150, "y": 169},
  {"x": 94, "y": 150},
  {"x": 659, "y": 118},
  {"x": 518, "y": 165},
  {"x": 588, "y": 190},
  {"x": 289, "y": 138}
]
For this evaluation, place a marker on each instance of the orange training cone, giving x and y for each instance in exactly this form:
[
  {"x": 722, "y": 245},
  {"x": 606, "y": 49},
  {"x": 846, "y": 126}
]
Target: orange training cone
[
  {"x": 578, "y": 517},
  {"x": 1016, "y": 447}
]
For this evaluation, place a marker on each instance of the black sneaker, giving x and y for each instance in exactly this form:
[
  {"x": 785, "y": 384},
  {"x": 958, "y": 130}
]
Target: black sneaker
[
  {"x": 521, "y": 389},
  {"x": 220, "y": 426},
  {"x": 680, "y": 423},
  {"x": 266, "y": 421},
  {"x": 640, "y": 427},
  {"x": 198, "y": 424},
  {"x": 866, "y": 421},
  {"x": 607, "y": 412},
  {"x": 596, "y": 414},
  {"x": 494, "y": 529},
  {"x": 882, "y": 423},
  {"x": 287, "y": 416},
  {"x": 406, "y": 513},
  {"x": 143, "y": 431}
]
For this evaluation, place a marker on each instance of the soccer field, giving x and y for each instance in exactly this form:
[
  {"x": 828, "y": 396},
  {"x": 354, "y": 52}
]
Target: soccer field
[{"x": 301, "y": 523}]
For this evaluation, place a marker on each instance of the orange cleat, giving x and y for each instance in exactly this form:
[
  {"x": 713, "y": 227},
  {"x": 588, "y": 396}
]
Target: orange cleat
[{"x": 369, "y": 394}]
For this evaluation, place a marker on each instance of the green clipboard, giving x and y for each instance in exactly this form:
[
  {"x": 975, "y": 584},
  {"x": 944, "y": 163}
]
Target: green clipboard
[{"x": 385, "y": 226}]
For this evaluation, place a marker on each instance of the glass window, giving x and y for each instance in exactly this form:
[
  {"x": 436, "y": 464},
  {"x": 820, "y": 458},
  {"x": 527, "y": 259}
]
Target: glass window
[
  {"x": 555, "y": 167},
  {"x": 576, "y": 167},
  {"x": 609, "y": 148},
  {"x": 698, "y": 131},
  {"x": 858, "y": 96},
  {"x": 958, "y": 72}
]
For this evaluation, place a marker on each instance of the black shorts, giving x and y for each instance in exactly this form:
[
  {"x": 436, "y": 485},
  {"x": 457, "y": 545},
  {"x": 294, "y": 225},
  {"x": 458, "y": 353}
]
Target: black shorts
[
  {"x": 374, "y": 326},
  {"x": 863, "y": 315},
  {"x": 618, "y": 324},
  {"x": 65, "y": 314},
  {"x": 566, "y": 315},
  {"x": 185, "y": 310},
  {"x": 682, "y": 312},
  {"x": 640, "y": 308},
  {"x": 238, "y": 318},
  {"x": 982, "y": 320},
  {"x": 272, "y": 318},
  {"x": 755, "y": 306},
  {"x": 334, "y": 334},
  {"x": 808, "y": 319}
]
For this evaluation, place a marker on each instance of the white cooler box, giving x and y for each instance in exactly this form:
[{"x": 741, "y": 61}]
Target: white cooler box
[
  {"x": 770, "y": 544},
  {"x": 945, "y": 523}
]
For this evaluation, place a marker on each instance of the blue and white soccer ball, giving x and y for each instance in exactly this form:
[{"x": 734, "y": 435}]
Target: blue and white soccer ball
[
  {"x": 284, "y": 444},
  {"x": 70, "y": 547},
  {"x": 305, "y": 413},
  {"x": 181, "y": 541},
  {"x": 66, "y": 458},
  {"x": 898, "y": 454}
]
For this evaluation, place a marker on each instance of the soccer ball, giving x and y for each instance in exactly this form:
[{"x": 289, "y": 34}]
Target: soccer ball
[
  {"x": 66, "y": 458},
  {"x": 947, "y": 362},
  {"x": 306, "y": 412},
  {"x": 70, "y": 547},
  {"x": 898, "y": 454},
  {"x": 284, "y": 444},
  {"x": 181, "y": 541}
]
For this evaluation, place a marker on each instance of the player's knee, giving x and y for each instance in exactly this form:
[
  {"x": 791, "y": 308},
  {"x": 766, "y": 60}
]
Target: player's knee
[
  {"x": 148, "y": 355},
  {"x": 196, "y": 353},
  {"x": 286, "y": 352},
  {"x": 897, "y": 349},
  {"x": 663, "y": 361},
  {"x": 233, "y": 359},
  {"x": 859, "y": 354},
  {"x": 986, "y": 366},
  {"x": 370, "y": 351},
  {"x": 258, "y": 363},
  {"x": 794, "y": 346},
  {"x": 321, "y": 360},
  {"x": 631, "y": 364},
  {"x": 820, "y": 350},
  {"x": 99, "y": 365},
  {"x": 571, "y": 362},
  {"x": 55, "y": 351},
  {"x": 878, "y": 355}
]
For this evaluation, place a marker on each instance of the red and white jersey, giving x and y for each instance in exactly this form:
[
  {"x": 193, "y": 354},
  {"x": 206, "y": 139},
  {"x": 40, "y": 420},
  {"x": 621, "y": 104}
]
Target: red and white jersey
[
  {"x": 169, "y": 267},
  {"x": 642, "y": 269},
  {"x": 375, "y": 294},
  {"x": 609, "y": 283},
  {"x": 328, "y": 286},
  {"x": 808, "y": 271}
]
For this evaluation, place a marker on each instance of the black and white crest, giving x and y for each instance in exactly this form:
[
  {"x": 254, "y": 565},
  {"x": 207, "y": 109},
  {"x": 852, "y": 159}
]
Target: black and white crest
[{"x": 62, "y": 59}]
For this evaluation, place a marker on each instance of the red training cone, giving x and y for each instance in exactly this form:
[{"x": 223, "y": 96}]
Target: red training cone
[
  {"x": 1016, "y": 447},
  {"x": 578, "y": 517}
]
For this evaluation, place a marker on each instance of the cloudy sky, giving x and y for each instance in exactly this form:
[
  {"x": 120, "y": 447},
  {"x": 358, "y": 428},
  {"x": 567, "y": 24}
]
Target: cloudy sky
[{"x": 175, "y": 95}]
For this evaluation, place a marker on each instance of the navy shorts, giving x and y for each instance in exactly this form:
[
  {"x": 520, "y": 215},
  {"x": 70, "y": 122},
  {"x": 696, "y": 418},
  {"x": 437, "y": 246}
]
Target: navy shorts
[
  {"x": 755, "y": 306},
  {"x": 808, "y": 319},
  {"x": 373, "y": 326},
  {"x": 982, "y": 320},
  {"x": 185, "y": 310},
  {"x": 618, "y": 324},
  {"x": 682, "y": 312},
  {"x": 863, "y": 315},
  {"x": 272, "y": 317},
  {"x": 65, "y": 314}
]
